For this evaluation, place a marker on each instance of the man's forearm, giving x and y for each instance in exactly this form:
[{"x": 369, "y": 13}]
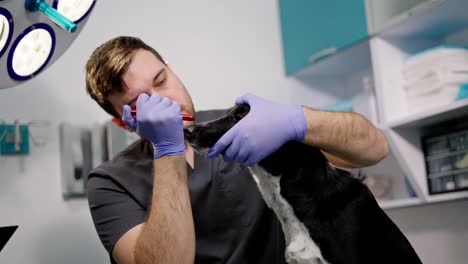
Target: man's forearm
[
  {"x": 347, "y": 136},
  {"x": 168, "y": 234}
]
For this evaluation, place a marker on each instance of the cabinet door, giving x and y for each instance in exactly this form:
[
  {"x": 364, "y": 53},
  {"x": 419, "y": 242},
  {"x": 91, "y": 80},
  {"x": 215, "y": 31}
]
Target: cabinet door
[{"x": 313, "y": 29}]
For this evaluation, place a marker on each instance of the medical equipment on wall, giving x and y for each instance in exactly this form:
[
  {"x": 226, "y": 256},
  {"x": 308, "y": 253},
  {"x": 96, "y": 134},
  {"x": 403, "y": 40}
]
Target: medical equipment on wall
[
  {"x": 83, "y": 148},
  {"x": 16, "y": 136},
  {"x": 34, "y": 34}
]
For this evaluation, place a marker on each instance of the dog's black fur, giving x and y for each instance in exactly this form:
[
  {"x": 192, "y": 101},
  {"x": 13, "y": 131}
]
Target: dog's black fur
[{"x": 338, "y": 210}]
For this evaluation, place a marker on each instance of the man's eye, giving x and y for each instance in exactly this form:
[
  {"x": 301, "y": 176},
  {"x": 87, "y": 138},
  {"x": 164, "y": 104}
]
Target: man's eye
[{"x": 160, "y": 82}]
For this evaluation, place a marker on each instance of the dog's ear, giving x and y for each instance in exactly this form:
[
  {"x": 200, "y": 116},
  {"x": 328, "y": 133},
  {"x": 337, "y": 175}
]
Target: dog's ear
[{"x": 240, "y": 111}]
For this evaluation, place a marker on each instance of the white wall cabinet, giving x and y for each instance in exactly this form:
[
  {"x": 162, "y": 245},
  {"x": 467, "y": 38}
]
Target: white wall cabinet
[{"x": 396, "y": 34}]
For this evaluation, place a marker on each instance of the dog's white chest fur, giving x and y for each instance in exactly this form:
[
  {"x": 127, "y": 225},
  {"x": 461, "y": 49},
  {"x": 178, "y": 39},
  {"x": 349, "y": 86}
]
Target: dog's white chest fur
[{"x": 300, "y": 248}]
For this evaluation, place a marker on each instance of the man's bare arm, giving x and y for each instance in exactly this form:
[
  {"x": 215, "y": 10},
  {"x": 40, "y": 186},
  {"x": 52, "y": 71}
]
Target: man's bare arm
[
  {"x": 347, "y": 139},
  {"x": 168, "y": 235}
]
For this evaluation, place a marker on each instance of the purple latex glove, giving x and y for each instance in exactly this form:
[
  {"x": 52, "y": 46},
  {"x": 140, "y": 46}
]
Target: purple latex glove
[
  {"x": 266, "y": 128},
  {"x": 159, "y": 121}
]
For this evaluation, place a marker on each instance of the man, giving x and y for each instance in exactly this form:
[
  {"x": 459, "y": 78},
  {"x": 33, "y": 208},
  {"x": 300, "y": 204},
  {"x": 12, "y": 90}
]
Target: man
[{"x": 159, "y": 202}]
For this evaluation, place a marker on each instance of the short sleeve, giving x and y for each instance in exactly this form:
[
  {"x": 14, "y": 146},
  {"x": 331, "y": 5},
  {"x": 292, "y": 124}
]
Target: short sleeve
[{"x": 113, "y": 210}]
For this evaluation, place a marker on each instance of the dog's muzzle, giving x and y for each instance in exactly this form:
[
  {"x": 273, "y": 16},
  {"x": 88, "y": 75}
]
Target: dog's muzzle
[{"x": 203, "y": 136}]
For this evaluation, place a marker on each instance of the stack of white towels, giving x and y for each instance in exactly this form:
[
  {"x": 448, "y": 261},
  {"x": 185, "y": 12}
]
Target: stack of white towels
[{"x": 434, "y": 77}]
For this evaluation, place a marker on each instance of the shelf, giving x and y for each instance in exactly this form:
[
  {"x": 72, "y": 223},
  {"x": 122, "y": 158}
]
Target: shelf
[
  {"x": 436, "y": 115},
  {"x": 400, "y": 203},
  {"x": 432, "y": 19},
  {"x": 435, "y": 198},
  {"x": 337, "y": 65}
]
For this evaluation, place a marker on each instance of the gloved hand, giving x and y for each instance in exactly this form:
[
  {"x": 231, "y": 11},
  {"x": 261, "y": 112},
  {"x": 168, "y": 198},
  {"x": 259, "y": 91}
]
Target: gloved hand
[
  {"x": 266, "y": 128},
  {"x": 159, "y": 121}
]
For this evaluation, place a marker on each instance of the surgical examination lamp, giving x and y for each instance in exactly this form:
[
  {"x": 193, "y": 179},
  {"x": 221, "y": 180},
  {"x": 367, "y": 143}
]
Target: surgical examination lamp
[{"x": 34, "y": 34}]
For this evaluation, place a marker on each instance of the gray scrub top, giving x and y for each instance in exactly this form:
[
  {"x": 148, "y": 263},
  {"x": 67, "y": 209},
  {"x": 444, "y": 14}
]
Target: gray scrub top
[{"x": 232, "y": 223}]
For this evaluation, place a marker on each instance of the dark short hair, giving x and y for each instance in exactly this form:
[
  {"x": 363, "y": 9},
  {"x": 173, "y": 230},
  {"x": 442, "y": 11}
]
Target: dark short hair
[{"x": 106, "y": 66}]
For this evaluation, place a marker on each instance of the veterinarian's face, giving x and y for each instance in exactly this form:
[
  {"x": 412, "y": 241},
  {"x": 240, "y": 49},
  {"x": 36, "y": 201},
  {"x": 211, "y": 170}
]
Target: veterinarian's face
[{"x": 147, "y": 74}]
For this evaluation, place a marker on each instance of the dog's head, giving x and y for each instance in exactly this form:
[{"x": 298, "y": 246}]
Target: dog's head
[{"x": 203, "y": 136}]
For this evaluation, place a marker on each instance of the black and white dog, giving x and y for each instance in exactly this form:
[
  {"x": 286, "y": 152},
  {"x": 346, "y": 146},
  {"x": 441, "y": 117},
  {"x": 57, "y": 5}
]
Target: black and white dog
[{"x": 327, "y": 214}]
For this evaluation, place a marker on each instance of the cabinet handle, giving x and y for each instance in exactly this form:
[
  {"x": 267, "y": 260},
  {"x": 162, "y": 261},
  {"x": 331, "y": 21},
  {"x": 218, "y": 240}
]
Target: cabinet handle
[{"x": 322, "y": 54}]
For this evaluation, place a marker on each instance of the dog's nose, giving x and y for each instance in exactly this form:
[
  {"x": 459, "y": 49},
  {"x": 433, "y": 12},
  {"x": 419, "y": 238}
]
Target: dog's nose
[{"x": 188, "y": 131}]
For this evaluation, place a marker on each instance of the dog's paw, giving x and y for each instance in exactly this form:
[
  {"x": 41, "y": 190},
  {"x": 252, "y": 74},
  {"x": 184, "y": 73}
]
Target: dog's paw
[
  {"x": 299, "y": 252},
  {"x": 313, "y": 260}
]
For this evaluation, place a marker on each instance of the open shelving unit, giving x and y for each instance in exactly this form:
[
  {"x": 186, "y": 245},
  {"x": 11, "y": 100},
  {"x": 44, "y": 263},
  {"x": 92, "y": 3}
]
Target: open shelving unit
[
  {"x": 429, "y": 24},
  {"x": 426, "y": 24},
  {"x": 435, "y": 115}
]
